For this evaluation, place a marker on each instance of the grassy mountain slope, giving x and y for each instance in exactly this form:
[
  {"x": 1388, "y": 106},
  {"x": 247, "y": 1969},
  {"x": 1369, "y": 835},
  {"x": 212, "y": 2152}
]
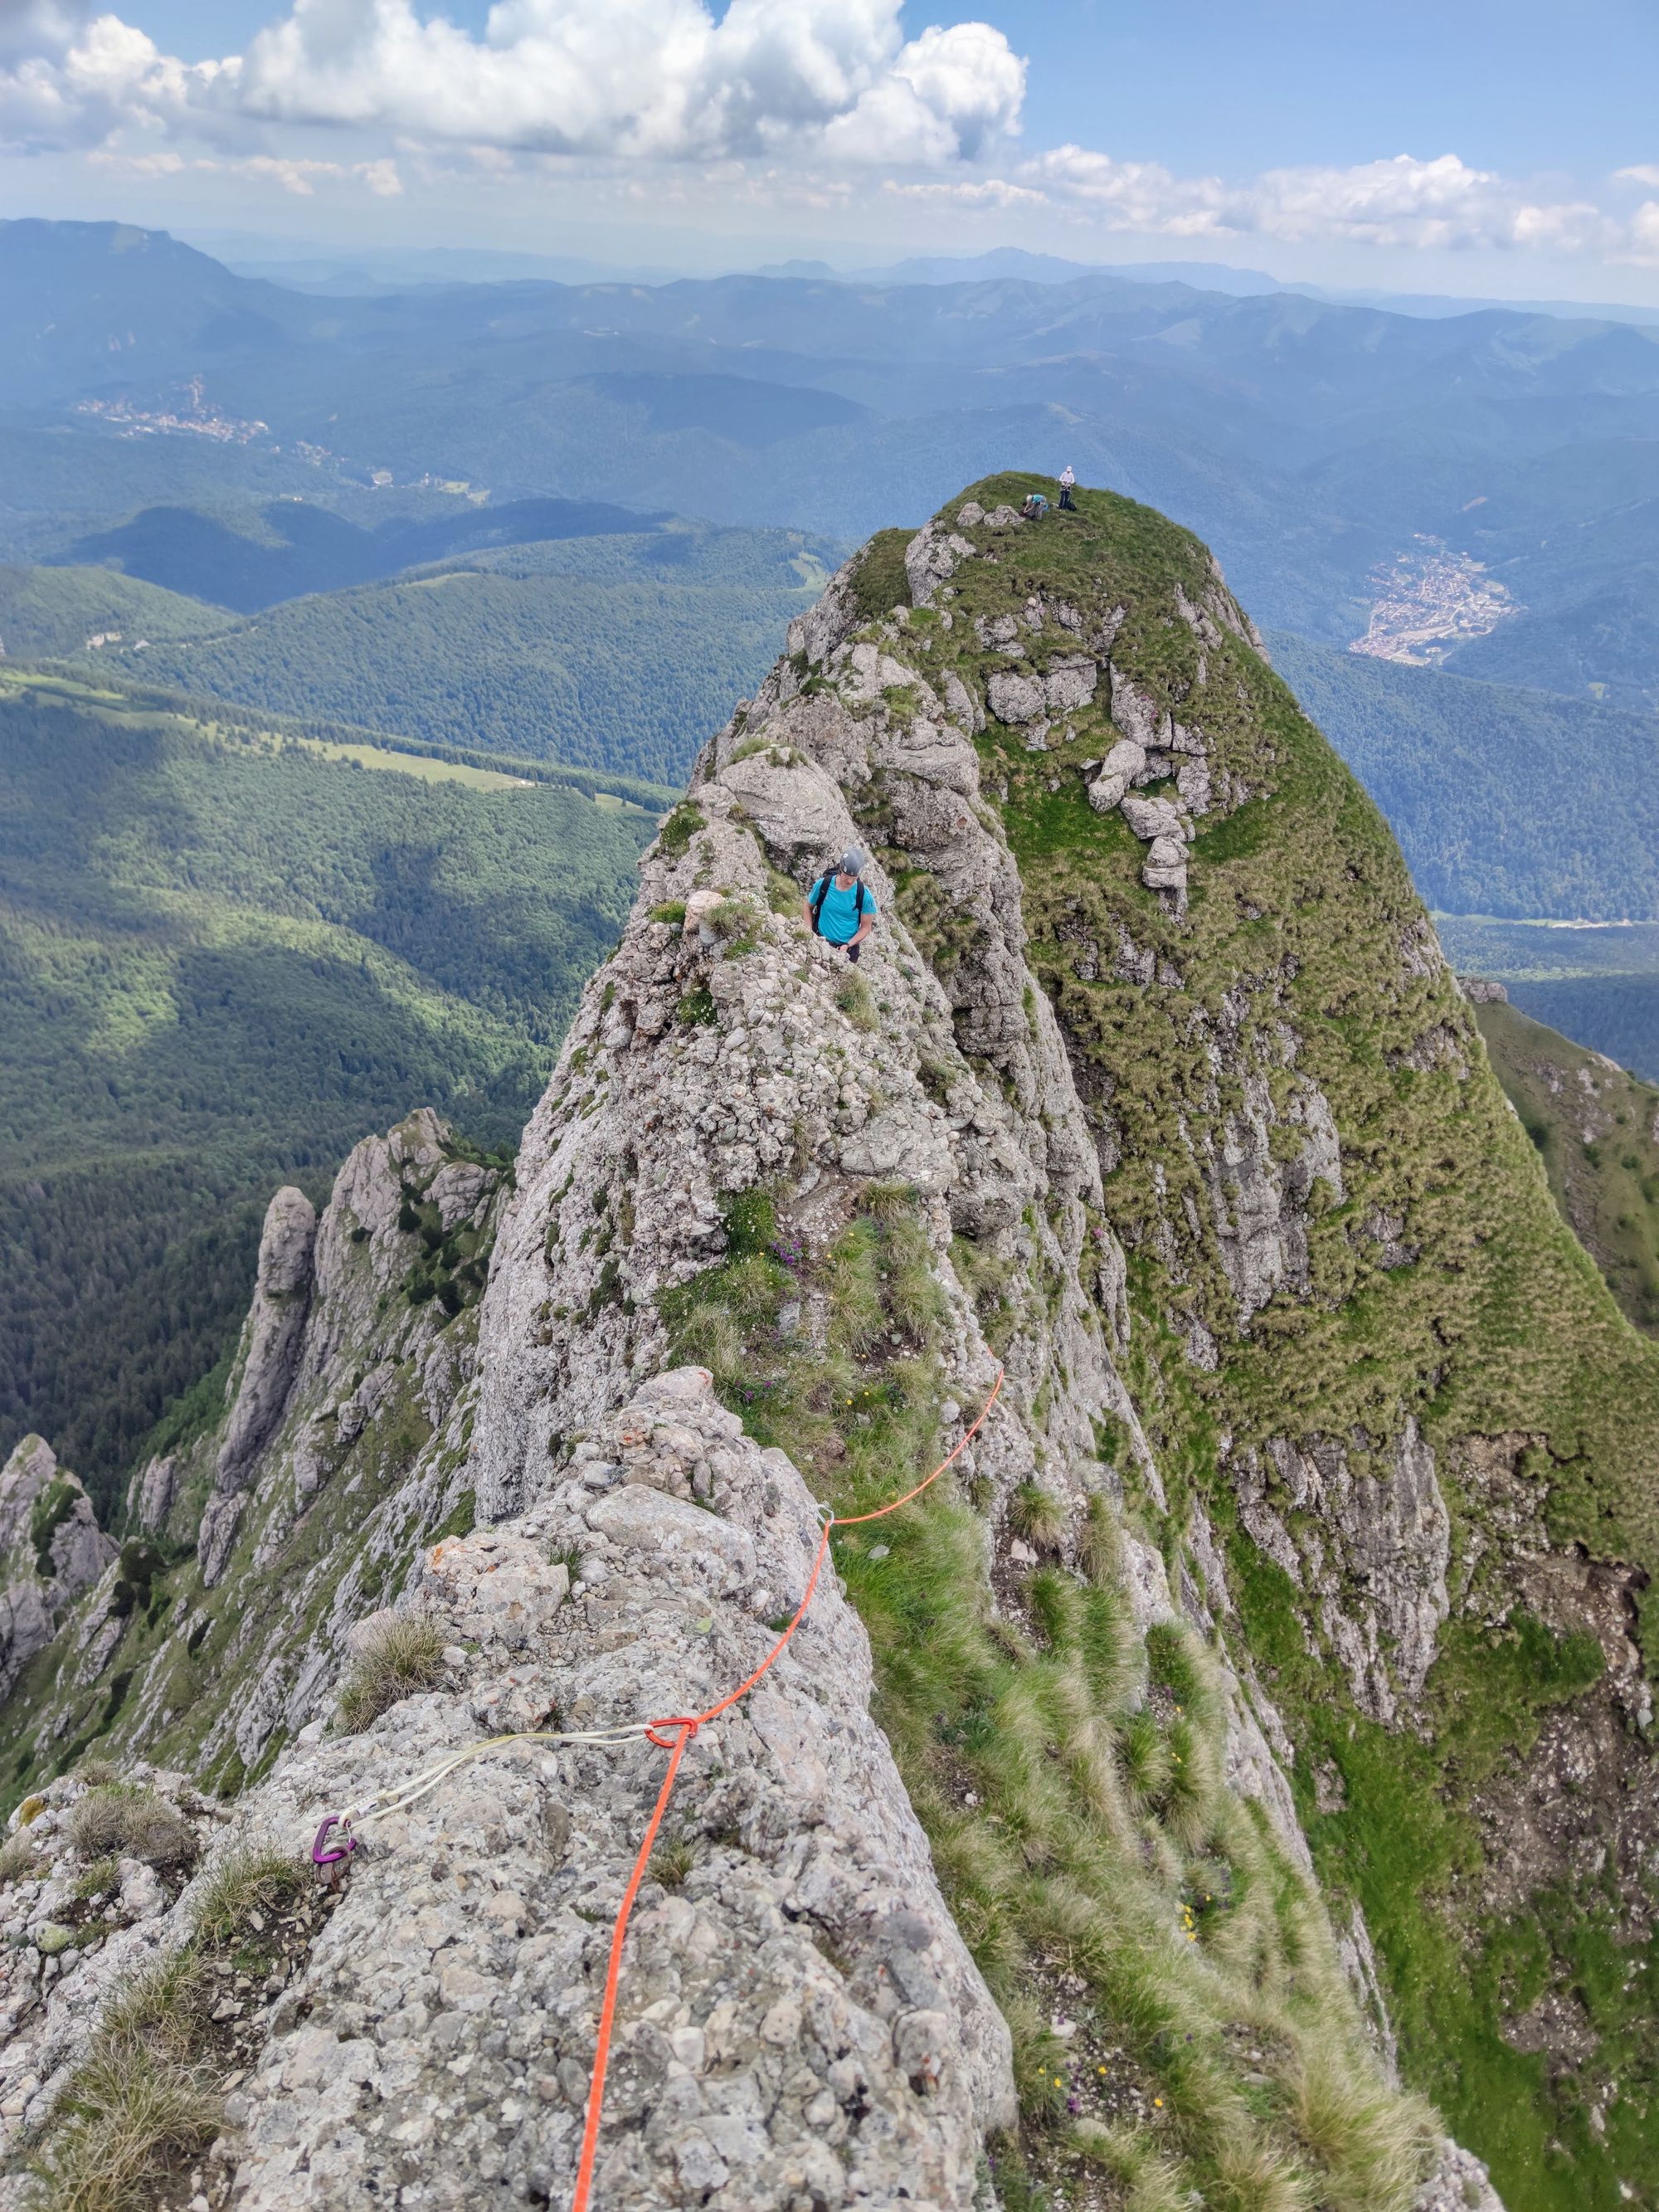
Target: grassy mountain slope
[
  {"x": 1441, "y": 1290},
  {"x": 1505, "y": 801},
  {"x": 1597, "y": 1130},
  {"x": 225, "y": 960}
]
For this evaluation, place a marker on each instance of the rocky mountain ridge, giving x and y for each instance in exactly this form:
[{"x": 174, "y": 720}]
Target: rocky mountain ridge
[{"x": 1153, "y": 1090}]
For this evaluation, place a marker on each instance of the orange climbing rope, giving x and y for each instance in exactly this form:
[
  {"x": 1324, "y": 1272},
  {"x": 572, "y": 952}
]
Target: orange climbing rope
[{"x": 685, "y": 1726}]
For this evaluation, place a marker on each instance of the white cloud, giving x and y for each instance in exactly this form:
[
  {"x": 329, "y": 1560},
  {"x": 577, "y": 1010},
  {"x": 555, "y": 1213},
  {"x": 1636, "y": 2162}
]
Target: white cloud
[
  {"x": 74, "y": 79},
  {"x": 1643, "y": 238},
  {"x": 1401, "y": 202},
  {"x": 797, "y": 98},
  {"x": 301, "y": 178},
  {"x": 980, "y": 192},
  {"x": 831, "y": 80}
]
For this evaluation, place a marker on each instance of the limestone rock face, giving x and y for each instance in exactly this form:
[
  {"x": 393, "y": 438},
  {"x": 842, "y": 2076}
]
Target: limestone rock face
[
  {"x": 275, "y": 1329},
  {"x": 52, "y": 1550},
  {"x": 1373, "y": 1546},
  {"x": 799, "y": 2008},
  {"x": 1460, "y": 2183},
  {"x": 277, "y": 1321},
  {"x": 151, "y": 1492},
  {"x": 371, "y": 1314}
]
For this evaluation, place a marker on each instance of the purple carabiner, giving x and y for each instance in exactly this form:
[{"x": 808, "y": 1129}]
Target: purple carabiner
[{"x": 330, "y": 1863}]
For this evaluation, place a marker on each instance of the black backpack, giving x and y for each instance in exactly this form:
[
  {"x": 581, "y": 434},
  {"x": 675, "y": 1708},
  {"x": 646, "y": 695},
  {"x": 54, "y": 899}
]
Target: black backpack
[{"x": 823, "y": 892}]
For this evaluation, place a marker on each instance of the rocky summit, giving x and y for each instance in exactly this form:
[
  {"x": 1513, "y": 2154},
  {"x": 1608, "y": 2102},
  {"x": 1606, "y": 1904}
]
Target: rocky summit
[{"x": 1229, "y": 1784}]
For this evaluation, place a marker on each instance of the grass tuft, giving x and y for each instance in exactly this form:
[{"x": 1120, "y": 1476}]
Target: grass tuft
[
  {"x": 130, "y": 2124},
  {"x": 18, "y": 1857},
  {"x": 1100, "y": 1545},
  {"x": 119, "y": 1821},
  {"x": 852, "y": 997},
  {"x": 266, "y": 1881},
  {"x": 674, "y": 1860},
  {"x": 398, "y": 1659},
  {"x": 1038, "y": 1515}
]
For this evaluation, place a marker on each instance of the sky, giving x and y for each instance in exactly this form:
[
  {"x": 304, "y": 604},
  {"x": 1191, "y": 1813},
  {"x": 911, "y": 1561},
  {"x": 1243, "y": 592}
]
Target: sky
[{"x": 1462, "y": 147}]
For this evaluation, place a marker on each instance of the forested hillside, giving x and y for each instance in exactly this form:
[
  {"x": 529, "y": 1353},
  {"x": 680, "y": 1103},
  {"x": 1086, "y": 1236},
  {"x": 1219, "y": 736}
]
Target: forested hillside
[
  {"x": 67, "y": 613},
  {"x": 223, "y": 961},
  {"x": 250, "y": 554},
  {"x": 597, "y": 646},
  {"x": 1312, "y": 440},
  {"x": 1505, "y": 801}
]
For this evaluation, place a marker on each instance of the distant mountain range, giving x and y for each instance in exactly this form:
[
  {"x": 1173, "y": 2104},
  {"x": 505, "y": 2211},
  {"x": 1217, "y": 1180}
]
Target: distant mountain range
[
  {"x": 1317, "y": 444},
  {"x": 311, "y": 265}
]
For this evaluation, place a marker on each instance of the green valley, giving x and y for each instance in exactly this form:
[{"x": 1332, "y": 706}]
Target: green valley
[
  {"x": 614, "y": 652},
  {"x": 227, "y": 957},
  {"x": 1505, "y": 801}
]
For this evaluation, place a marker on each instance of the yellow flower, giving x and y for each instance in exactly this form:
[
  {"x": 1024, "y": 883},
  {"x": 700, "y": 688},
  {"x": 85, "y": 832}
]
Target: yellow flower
[{"x": 1158, "y": 2101}]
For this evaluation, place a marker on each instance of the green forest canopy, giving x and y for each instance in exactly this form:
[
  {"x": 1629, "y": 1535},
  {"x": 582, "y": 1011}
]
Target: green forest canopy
[
  {"x": 222, "y": 961},
  {"x": 620, "y": 654},
  {"x": 1505, "y": 801}
]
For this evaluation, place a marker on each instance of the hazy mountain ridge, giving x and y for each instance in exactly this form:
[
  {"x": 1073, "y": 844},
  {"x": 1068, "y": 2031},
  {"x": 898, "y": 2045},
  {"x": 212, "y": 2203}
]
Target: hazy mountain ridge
[{"x": 1309, "y": 440}]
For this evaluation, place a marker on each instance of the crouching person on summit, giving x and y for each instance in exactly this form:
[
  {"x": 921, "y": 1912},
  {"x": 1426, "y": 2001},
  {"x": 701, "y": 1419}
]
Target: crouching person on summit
[{"x": 838, "y": 908}]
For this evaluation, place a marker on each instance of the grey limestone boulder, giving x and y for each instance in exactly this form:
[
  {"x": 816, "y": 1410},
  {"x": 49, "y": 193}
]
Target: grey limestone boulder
[
  {"x": 1015, "y": 698},
  {"x": 1121, "y": 765},
  {"x": 930, "y": 559},
  {"x": 1152, "y": 818},
  {"x": 1070, "y": 683}
]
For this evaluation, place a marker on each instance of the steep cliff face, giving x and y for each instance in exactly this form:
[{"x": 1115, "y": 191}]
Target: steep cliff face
[
  {"x": 1132, "y": 1811},
  {"x": 51, "y": 1550},
  {"x": 295, "y": 1507}
]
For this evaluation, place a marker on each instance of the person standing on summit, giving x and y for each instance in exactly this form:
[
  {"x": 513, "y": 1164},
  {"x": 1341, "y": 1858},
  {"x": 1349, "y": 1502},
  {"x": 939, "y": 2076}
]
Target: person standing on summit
[
  {"x": 838, "y": 908},
  {"x": 1067, "y": 478}
]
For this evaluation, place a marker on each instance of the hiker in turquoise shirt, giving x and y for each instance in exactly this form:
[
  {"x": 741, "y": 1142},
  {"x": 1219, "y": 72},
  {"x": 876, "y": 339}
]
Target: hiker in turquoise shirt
[{"x": 838, "y": 908}]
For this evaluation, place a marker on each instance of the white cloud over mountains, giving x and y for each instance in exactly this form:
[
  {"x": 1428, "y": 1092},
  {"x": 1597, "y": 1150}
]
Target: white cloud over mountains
[
  {"x": 819, "y": 92},
  {"x": 1437, "y": 204}
]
